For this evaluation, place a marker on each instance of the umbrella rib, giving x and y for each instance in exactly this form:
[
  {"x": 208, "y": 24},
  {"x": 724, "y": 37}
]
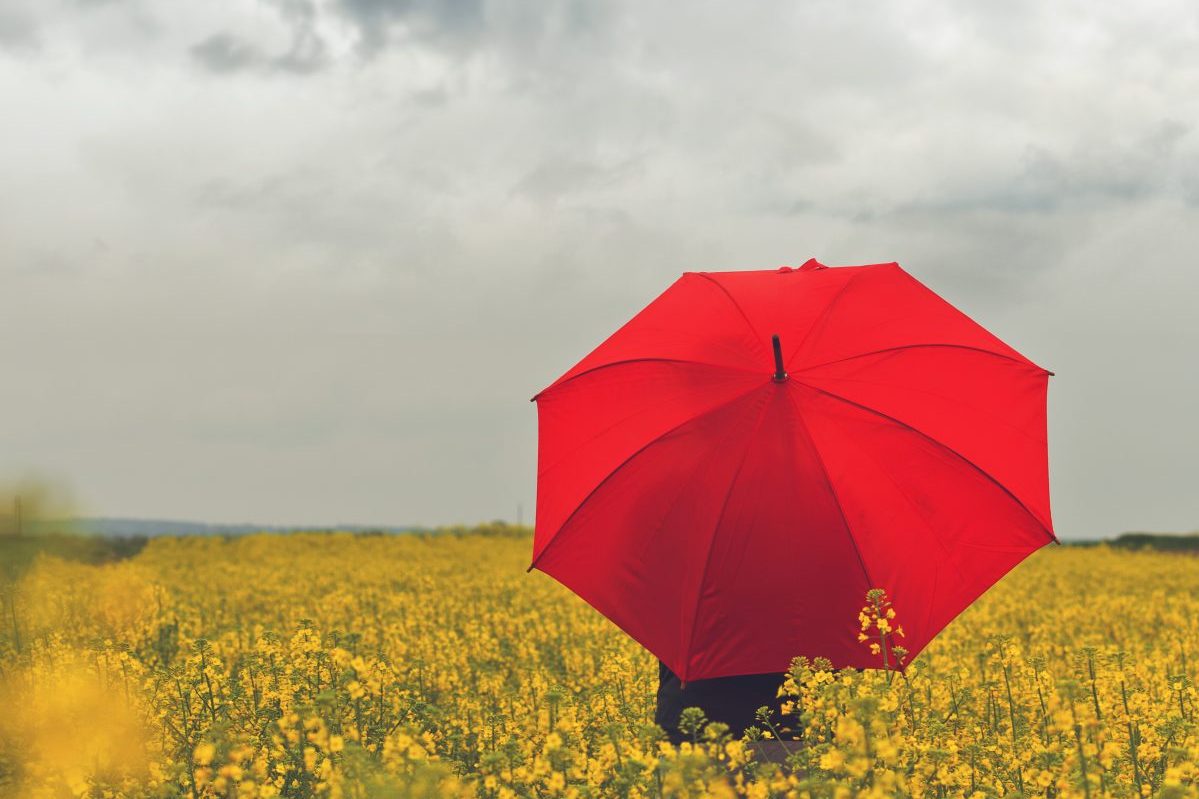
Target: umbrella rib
[
  {"x": 832, "y": 490},
  {"x": 944, "y": 446},
  {"x": 926, "y": 344},
  {"x": 563, "y": 458},
  {"x": 828, "y": 310},
  {"x": 757, "y": 336},
  {"x": 703, "y": 575},
  {"x": 952, "y": 400},
  {"x": 574, "y": 377},
  {"x": 625, "y": 462}
]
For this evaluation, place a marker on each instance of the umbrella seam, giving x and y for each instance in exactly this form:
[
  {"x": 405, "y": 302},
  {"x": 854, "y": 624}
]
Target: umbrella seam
[
  {"x": 944, "y": 446},
  {"x": 829, "y": 482},
  {"x": 928, "y": 290},
  {"x": 541, "y": 472},
  {"x": 947, "y": 553},
  {"x": 574, "y": 377},
  {"x": 828, "y": 309},
  {"x": 967, "y": 605},
  {"x": 952, "y": 400},
  {"x": 645, "y": 540},
  {"x": 737, "y": 305},
  {"x": 907, "y": 498},
  {"x": 625, "y": 462},
  {"x": 703, "y": 575},
  {"x": 1024, "y": 362}
]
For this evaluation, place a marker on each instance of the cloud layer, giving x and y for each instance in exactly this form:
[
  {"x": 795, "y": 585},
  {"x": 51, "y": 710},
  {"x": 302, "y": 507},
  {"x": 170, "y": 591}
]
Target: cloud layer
[{"x": 294, "y": 261}]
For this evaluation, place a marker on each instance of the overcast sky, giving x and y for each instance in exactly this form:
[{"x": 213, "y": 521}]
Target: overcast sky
[{"x": 287, "y": 261}]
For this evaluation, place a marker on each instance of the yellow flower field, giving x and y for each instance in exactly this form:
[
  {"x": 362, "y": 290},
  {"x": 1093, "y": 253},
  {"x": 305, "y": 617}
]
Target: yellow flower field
[{"x": 389, "y": 666}]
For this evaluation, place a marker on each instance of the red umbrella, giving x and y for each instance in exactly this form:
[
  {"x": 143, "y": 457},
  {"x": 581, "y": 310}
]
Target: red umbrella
[{"x": 729, "y": 472}]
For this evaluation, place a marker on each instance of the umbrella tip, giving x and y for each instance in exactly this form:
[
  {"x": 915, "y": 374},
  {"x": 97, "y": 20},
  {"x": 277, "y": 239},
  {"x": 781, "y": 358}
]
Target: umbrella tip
[{"x": 779, "y": 374}]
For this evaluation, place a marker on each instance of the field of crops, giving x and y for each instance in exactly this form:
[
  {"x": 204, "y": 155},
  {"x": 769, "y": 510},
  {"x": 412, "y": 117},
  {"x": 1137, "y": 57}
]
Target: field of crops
[{"x": 376, "y": 666}]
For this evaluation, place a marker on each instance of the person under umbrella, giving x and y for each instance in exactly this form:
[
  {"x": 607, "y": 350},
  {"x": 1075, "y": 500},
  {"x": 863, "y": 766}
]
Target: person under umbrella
[
  {"x": 732, "y": 700},
  {"x": 730, "y": 516}
]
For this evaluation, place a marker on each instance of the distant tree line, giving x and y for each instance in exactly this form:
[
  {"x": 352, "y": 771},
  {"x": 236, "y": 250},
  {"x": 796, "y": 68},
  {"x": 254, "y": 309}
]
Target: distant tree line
[{"x": 1162, "y": 541}]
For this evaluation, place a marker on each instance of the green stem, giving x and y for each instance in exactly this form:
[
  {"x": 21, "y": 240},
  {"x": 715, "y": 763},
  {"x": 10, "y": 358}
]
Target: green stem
[{"x": 1082, "y": 756}]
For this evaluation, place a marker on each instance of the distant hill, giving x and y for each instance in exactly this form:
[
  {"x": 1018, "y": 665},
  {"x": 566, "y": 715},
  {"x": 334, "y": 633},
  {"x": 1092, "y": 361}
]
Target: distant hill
[
  {"x": 96, "y": 540},
  {"x": 151, "y": 528}
]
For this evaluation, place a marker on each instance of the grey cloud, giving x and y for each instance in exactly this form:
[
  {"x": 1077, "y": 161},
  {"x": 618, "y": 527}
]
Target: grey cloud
[
  {"x": 355, "y": 283},
  {"x": 1087, "y": 174},
  {"x": 307, "y": 53},
  {"x": 558, "y": 178},
  {"x": 521, "y": 33},
  {"x": 224, "y": 52},
  {"x": 376, "y": 20},
  {"x": 525, "y": 38},
  {"x": 18, "y": 31},
  {"x": 302, "y": 12}
]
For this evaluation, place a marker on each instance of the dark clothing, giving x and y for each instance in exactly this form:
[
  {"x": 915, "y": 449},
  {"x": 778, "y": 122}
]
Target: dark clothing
[{"x": 733, "y": 700}]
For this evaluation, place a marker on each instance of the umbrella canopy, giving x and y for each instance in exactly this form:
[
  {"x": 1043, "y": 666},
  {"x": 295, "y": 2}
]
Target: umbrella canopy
[{"x": 729, "y": 472}]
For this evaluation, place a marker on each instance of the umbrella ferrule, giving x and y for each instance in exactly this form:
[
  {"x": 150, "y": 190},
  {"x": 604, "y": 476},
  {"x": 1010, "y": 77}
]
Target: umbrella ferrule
[{"x": 779, "y": 374}]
